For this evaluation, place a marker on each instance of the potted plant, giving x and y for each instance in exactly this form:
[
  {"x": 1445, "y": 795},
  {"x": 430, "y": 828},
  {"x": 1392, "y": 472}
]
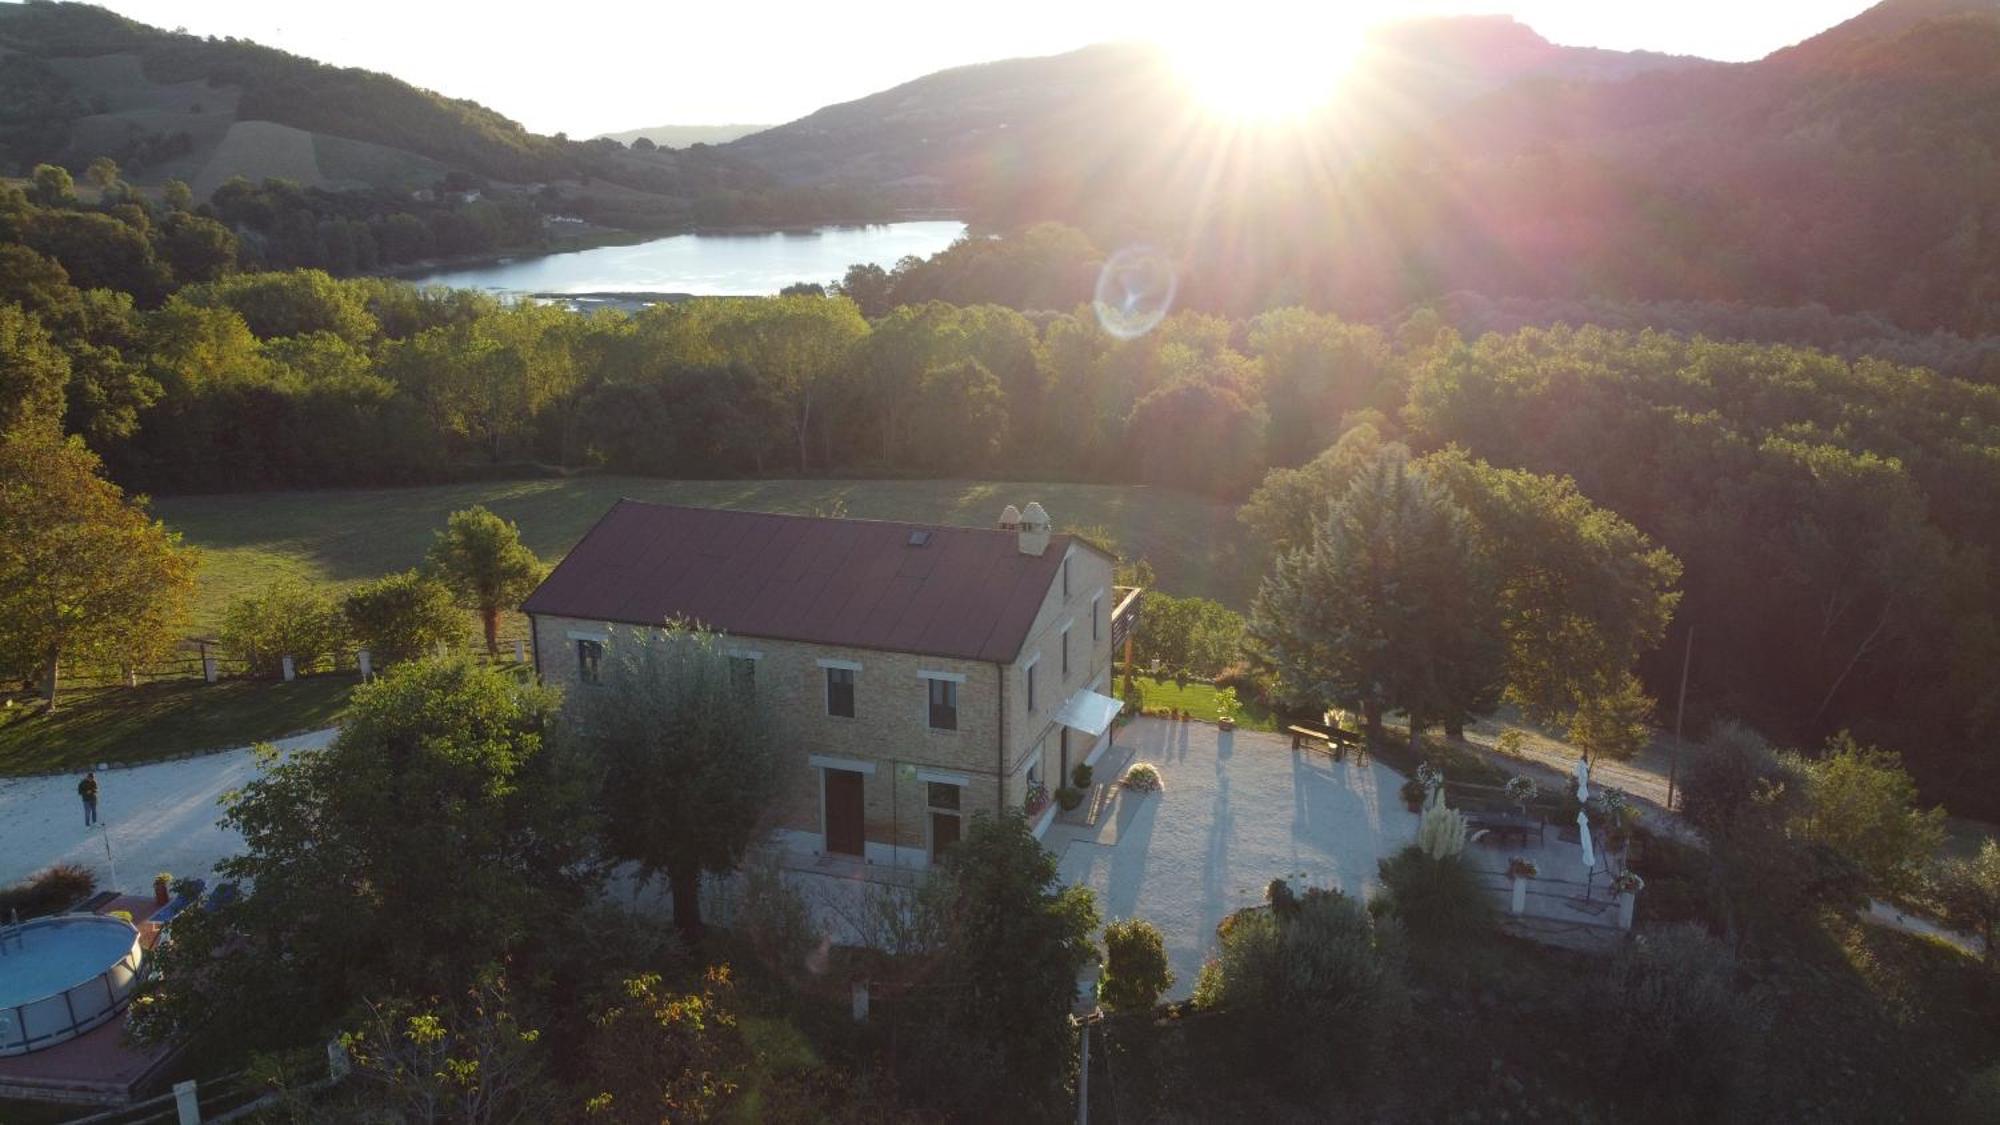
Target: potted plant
[
  {"x": 1521, "y": 789},
  {"x": 1037, "y": 800},
  {"x": 1068, "y": 798},
  {"x": 1521, "y": 870},
  {"x": 1225, "y": 708},
  {"x": 1627, "y": 884},
  {"x": 161, "y": 887},
  {"x": 1080, "y": 776},
  {"x": 1414, "y": 792}
]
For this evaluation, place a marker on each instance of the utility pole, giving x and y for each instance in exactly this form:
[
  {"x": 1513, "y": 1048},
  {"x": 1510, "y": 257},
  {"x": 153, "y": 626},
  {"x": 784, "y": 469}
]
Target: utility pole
[{"x": 1680, "y": 712}]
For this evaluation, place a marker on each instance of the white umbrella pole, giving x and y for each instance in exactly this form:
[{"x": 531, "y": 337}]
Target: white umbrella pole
[{"x": 1589, "y": 856}]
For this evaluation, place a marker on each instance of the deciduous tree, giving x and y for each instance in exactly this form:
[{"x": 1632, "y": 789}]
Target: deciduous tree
[
  {"x": 1388, "y": 609},
  {"x": 688, "y": 758},
  {"x": 84, "y": 573},
  {"x": 437, "y": 834},
  {"x": 481, "y": 558}
]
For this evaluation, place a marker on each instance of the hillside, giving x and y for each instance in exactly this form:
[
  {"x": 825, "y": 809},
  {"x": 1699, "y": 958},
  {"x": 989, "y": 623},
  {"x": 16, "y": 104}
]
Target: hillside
[
  {"x": 81, "y": 82},
  {"x": 681, "y": 136},
  {"x": 1854, "y": 169}
]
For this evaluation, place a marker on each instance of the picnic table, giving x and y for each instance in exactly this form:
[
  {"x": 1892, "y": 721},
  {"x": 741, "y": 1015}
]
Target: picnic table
[{"x": 1335, "y": 742}]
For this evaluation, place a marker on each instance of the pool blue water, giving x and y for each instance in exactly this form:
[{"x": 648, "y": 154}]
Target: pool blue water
[{"x": 57, "y": 956}]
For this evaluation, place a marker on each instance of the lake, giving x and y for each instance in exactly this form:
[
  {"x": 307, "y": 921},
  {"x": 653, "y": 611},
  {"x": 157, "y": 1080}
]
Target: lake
[{"x": 708, "y": 265}]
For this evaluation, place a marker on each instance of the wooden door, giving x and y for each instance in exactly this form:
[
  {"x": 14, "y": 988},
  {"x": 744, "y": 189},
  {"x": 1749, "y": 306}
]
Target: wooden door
[{"x": 843, "y": 812}]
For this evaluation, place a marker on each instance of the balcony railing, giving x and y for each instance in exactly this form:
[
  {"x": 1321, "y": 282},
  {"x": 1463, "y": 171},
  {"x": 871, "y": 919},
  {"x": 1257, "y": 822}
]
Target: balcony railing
[{"x": 1123, "y": 617}]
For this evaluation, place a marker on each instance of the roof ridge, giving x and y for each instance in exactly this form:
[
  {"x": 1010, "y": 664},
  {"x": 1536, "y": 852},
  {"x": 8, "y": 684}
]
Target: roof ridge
[{"x": 829, "y": 519}]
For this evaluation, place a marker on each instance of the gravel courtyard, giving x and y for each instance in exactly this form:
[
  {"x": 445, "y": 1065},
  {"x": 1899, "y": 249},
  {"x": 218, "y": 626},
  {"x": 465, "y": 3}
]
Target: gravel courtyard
[
  {"x": 1238, "y": 810},
  {"x": 158, "y": 817}
]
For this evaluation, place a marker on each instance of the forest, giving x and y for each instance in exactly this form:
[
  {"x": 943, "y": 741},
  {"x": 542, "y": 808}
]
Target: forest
[{"x": 1836, "y": 517}]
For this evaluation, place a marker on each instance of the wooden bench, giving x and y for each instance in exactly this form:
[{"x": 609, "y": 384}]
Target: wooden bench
[
  {"x": 1300, "y": 734},
  {"x": 1336, "y": 742}
]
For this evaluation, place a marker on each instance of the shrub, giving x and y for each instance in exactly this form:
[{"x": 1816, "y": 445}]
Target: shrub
[
  {"x": 1317, "y": 988},
  {"x": 1433, "y": 897},
  {"x": 1721, "y": 779},
  {"x": 778, "y": 923},
  {"x": 1861, "y": 803},
  {"x": 287, "y": 619},
  {"x": 48, "y": 891},
  {"x": 1245, "y": 682},
  {"x": 1968, "y": 890},
  {"x": 1981, "y": 1100},
  {"x": 403, "y": 616},
  {"x": 1068, "y": 798},
  {"x": 1081, "y": 775},
  {"x": 1135, "y": 966},
  {"x": 1143, "y": 777},
  {"x": 1671, "y": 996},
  {"x": 1414, "y": 794}
]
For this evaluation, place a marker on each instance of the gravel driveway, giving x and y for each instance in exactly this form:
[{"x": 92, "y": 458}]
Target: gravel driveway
[
  {"x": 1237, "y": 811},
  {"x": 152, "y": 818}
]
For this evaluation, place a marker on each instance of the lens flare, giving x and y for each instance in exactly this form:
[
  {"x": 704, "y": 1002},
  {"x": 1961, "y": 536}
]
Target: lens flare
[
  {"x": 1267, "y": 66},
  {"x": 1135, "y": 289}
]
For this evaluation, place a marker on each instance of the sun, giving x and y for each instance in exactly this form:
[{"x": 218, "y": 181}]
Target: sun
[{"x": 1263, "y": 70}]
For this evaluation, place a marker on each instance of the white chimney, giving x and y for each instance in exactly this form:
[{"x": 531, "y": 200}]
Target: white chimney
[
  {"x": 1010, "y": 518},
  {"x": 1034, "y": 529}
]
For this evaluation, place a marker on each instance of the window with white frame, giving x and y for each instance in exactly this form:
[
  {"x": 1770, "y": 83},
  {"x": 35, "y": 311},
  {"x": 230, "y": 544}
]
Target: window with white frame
[
  {"x": 943, "y": 712},
  {"x": 1065, "y": 576},
  {"x": 743, "y": 673},
  {"x": 1031, "y": 689},
  {"x": 1097, "y": 617},
  {"x": 1065, "y": 654},
  {"x": 589, "y": 661}
]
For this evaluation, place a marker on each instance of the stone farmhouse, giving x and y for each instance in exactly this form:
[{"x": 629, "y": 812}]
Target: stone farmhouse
[{"x": 915, "y": 673}]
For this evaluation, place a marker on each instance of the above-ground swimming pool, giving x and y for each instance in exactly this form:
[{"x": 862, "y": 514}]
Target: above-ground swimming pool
[{"x": 63, "y": 976}]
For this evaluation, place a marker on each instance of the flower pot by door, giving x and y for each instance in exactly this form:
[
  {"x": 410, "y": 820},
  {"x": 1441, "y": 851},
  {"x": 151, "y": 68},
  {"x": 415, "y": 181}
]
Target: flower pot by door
[
  {"x": 1626, "y": 900},
  {"x": 1520, "y": 895}
]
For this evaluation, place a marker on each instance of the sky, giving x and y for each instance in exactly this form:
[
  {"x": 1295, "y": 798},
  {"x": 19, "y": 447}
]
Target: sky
[{"x": 595, "y": 66}]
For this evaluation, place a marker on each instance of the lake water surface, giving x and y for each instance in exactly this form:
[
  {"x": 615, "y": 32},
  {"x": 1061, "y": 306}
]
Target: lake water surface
[{"x": 708, "y": 265}]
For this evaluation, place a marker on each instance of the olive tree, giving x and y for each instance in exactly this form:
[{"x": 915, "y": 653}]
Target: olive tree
[{"x": 687, "y": 759}]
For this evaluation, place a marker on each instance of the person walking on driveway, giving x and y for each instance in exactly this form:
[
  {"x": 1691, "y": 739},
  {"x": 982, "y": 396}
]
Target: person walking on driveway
[{"x": 87, "y": 789}]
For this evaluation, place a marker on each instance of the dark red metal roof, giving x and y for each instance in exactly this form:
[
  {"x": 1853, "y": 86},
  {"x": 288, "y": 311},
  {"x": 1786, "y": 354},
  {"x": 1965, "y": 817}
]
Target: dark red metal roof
[{"x": 967, "y": 593}]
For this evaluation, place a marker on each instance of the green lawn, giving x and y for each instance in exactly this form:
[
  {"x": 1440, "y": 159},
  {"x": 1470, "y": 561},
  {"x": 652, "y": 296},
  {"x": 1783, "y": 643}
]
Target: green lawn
[
  {"x": 346, "y": 537},
  {"x": 1198, "y": 699},
  {"x": 165, "y": 719}
]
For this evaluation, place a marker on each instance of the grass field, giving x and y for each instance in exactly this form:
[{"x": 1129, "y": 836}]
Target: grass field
[
  {"x": 345, "y": 537},
  {"x": 166, "y": 719},
  {"x": 1198, "y": 699}
]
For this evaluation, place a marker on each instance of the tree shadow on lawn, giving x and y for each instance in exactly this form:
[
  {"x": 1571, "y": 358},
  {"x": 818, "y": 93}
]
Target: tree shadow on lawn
[{"x": 168, "y": 719}]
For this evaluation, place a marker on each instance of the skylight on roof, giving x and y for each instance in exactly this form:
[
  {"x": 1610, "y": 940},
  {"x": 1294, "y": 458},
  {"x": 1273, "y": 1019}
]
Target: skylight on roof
[{"x": 920, "y": 538}]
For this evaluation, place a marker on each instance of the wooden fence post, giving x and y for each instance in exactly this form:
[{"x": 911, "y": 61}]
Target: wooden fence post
[
  {"x": 520, "y": 651},
  {"x": 290, "y": 670},
  {"x": 367, "y": 665},
  {"x": 187, "y": 1103},
  {"x": 207, "y": 664}
]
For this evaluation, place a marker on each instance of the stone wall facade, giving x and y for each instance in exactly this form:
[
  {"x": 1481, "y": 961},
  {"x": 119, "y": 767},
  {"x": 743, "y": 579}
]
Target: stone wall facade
[{"x": 989, "y": 758}]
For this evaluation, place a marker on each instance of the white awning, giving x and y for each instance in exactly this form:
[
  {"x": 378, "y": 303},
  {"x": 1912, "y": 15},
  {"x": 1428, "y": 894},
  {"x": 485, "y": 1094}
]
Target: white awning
[{"x": 1089, "y": 712}]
